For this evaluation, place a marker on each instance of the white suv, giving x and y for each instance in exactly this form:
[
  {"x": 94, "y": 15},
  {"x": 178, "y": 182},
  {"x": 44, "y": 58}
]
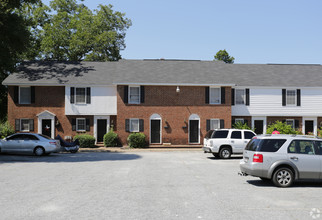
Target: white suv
[
  {"x": 224, "y": 142},
  {"x": 283, "y": 158}
]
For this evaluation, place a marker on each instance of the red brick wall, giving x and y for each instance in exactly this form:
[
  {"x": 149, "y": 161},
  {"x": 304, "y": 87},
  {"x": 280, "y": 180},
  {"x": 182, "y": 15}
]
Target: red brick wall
[
  {"x": 51, "y": 98},
  {"x": 173, "y": 107}
]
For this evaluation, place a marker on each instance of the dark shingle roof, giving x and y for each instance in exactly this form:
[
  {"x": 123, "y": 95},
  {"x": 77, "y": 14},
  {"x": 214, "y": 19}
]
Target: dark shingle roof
[{"x": 165, "y": 72}]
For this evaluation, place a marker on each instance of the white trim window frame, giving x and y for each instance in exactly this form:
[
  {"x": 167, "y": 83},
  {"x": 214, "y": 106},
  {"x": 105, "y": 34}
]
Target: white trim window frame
[
  {"x": 290, "y": 122},
  {"x": 291, "y": 97},
  {"x": 239, "y": 120},
  {"x": 28, "y": 124},
  {"x": 134, "y": 98},
  {"x": 132, "y": 128},
  {"x": 78, "y": 96},
  {"x": 213, "y": 97},
  {"x": 240, "y": 97},
  {"x": 213, "y": 123},
  {"x": 29, "y": 98},
  {"x": 77, "y": 124}
]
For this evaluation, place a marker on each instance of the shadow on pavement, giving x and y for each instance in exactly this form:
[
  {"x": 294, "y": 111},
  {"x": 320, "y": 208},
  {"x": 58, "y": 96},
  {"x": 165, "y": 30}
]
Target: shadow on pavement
[
  {"x": 231, "y": 158},
  {"x": 67, "y": 157},
  {"x": 297, "y": 184}
]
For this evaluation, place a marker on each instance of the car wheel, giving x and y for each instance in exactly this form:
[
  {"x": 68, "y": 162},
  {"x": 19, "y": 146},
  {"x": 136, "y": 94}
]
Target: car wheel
[
  {"x": 215, "y": 154},
  {"x": 39, "y": 151},
  {"x": 283, "y": 177},
  {"x": 225, "y": 153}
]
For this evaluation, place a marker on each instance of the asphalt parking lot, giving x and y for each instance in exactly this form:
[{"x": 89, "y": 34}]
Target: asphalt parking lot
[{"x": 145, "y": 185}]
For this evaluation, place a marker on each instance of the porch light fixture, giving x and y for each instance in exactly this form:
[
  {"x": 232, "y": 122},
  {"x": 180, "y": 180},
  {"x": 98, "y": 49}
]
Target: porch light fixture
[{"x": 178, "y": 89}]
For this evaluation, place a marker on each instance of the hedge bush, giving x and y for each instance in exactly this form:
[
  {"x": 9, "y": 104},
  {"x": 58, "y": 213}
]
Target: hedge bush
[
  {"x": 85, "y": 140},
  {"x": 110, "y": 139},
  {"x": 283, "y": 128},
  {"x": 136, "y": 140},
  {"x": 6, "y": 129},
  {"x": 240, "y": 125}
]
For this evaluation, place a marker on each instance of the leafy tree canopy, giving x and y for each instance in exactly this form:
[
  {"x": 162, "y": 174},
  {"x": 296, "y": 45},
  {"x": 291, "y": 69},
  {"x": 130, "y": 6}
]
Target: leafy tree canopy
[
  {"x": 224, "y": 56},
  {"x": 69, "y": 31}
]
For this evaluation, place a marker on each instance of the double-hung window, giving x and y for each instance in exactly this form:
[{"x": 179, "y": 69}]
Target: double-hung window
[
  {"x": 239, "y": 120},
  {"x": 25, "y": 95},
  {"x": 240, "y": 96},
  {"x": 134, "y": 125},
  {"x": 290, "y": 122},
  {"x": 134, "y": 95},
  {"x": 215, "y": 95},
  {"x": 80, "y": 124},
  {"x": 24, "y": 125},
  {"x": 214, "y": 124},
  {"x": 291, "y": 97},
  {"x": 80, "y": 95}
]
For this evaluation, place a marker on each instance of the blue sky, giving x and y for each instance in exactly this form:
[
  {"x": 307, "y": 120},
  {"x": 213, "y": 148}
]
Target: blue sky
[{"x": 253, "y": 31}]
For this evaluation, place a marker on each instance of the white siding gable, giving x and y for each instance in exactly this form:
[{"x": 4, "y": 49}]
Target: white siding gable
[
  {"x": 268, "y": 102},
  {"x": 103, "y": 102}
]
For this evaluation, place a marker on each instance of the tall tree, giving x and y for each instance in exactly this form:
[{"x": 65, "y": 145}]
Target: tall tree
[
  {"x": 68, "y": 31},
  {"x": 224, "y": 56},
  {"x": 14, "y": 40}
]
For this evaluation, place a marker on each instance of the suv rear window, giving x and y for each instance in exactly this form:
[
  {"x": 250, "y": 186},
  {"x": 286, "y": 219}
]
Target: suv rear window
[
  {"x": 220, "y": 134},
  {"x": 265, "y": 145}
]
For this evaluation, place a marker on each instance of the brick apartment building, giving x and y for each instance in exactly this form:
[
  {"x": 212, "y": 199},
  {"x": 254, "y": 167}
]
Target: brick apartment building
[{"x": 172, "y": 102}]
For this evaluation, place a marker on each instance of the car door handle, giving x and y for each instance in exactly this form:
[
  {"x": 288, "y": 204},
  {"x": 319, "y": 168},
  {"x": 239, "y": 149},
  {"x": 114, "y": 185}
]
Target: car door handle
[
  {"x": 232, "y": 141},
  {"x": 294, "y": 158},
  {"x": 246, "y": 142}
]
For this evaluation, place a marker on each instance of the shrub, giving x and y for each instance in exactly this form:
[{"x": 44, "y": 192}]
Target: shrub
[
  {"x": 6, "y": 129},
  {"x": 110, "y": 139},
  {"x": 240, "y": 125},
  {"x": 136, "y": 140},
  {"x": 85, "y": 140},
  {"x": 283, "y": 128}
]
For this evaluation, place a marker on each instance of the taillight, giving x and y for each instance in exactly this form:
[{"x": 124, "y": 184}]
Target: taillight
[
  {"x": 258, "y": 158},
  {"x": 53, "y": 143}
]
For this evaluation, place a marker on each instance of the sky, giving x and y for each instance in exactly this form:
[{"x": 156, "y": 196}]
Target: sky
[{"x": 252, "y": 31}]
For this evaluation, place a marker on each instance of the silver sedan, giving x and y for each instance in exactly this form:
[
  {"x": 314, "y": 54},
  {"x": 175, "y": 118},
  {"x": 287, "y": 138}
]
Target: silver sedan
[{"x": 37, "y": 144}]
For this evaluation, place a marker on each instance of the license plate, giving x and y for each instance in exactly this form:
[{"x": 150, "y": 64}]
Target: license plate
[{"x": 246, "y": 159}]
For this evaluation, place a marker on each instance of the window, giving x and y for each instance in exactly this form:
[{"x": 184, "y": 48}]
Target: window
[
  {"x": 290, "y": 122},
  {"x": 80, "y": 124},
  {"x": 220, "y": 134},
  {"x": 301, "y": 147},
  {"x": 271, "y": 145},
  {"x": 215, "y": 95},
  {"x": 24, "y": 125},
  {"x": 134, "y": 125},
  {"x": 236, "y": 135},
  {"x": 248, "y": 135},
  {"x": 291, "y": 97},
  {"x": 134, "y": 95},
  {"x": 214, "y": 124},
  {"x": 15, "y": 137},
  {"x": 24, "y": 95},
  {"x": 240, "y": 120},
  {"x": 240, "y": 96},
  {"x": 80, "y": 95},
  {"x": 319, "y": 146}
]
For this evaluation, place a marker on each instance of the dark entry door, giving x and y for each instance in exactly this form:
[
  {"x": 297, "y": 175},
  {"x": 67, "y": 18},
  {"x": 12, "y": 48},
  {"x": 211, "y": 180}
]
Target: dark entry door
[
  {"x": 101, "y": 129},
  {"x": 46, "y": 127},
  {"x": 194, "y": 131},
  {"x": 309, "y": 128},
  {"x": 155, "y": 132},
  {"x": 259, "y": 124}
]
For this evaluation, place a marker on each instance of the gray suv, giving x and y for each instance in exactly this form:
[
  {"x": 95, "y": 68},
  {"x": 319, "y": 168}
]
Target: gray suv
[{"x": 283, "y": 158}]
